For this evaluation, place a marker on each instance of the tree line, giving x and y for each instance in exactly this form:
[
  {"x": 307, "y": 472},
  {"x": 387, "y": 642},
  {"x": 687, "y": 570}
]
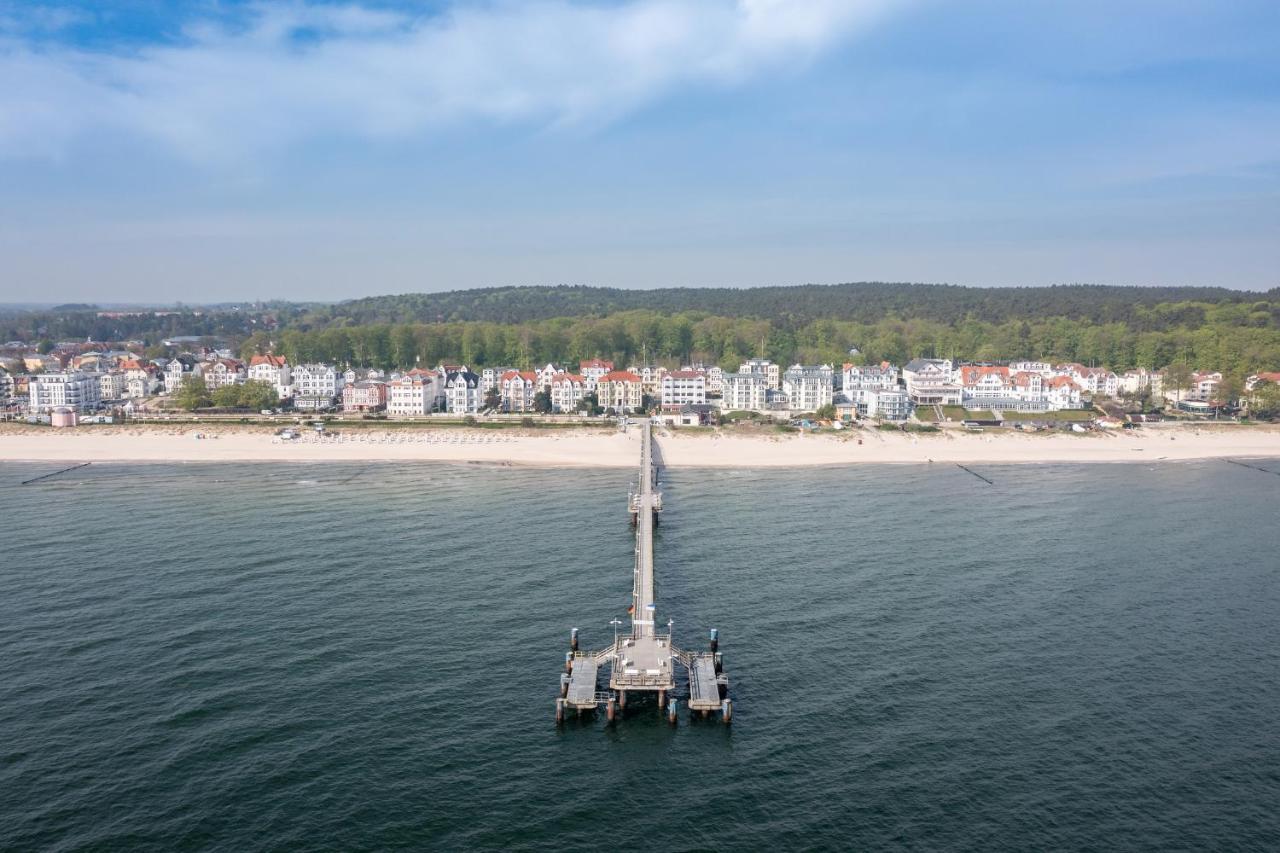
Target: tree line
[
  {"x": 1143, "y": 308},
  {"x": 1225, "y": 337}
]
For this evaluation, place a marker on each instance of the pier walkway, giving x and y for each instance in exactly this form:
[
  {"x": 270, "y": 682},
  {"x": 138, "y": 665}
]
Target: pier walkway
[{"x": 645, "y": 660}]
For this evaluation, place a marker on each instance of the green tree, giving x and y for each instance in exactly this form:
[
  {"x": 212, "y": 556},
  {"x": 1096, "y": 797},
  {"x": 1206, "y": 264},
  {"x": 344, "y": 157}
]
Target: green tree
[
  {"x": 259, "y": 343},
  {"x": 542, "y": 402},
  {"x": 1177, "y": 378},
  {"x": 590, "y": 404},
  {"x": 827, "y": 412},
  {"x": 192, "y": 395},
  {"x": 253, "y": 395},
  {"x": 1264, "y": 401},
  {"x": 45, "y": 347},
  {"x": 226, "y": 397},
  {"x": 1230, "y": 389},
  {"x": 492, "y": 399}
]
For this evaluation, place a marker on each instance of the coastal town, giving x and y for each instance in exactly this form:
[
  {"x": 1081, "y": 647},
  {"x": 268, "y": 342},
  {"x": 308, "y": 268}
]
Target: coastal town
[{"x": 74, "y": 383}]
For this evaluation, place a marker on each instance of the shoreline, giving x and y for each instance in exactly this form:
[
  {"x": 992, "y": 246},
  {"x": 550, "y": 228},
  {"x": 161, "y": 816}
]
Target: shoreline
[{"x": 718, "y": 449}]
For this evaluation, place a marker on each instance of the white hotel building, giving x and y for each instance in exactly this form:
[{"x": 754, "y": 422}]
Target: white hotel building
[
  {"x": 416, "y": 393},
  {"x": 78, "y": 391},
  {"x": 743, "y": 392},
  {"x": 317, "y": 380},
  {"x": 762, "y": 366},
  {"x": 808, "y": 387},
  {"x": 684, "y": 387}
]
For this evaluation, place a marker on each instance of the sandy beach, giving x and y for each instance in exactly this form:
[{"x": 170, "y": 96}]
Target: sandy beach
[{"x": 613, "y": 449}]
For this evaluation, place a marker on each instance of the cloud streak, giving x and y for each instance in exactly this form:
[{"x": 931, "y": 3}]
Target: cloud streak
[{"x": 284, "y": 74}]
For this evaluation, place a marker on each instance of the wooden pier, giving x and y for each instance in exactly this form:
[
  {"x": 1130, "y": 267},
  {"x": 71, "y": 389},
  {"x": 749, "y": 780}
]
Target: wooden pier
[{"x": 645, "y": 660}]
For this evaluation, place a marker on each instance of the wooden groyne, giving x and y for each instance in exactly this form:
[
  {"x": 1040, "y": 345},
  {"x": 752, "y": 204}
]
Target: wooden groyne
[
  {"x": 1254, "y": 467},
  {"x": 976, "y": 474},
  {"x": 54, "y": 474}
]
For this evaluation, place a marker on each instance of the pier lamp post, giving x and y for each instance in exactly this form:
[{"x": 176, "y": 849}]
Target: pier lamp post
[{"x": 615, "y": 623}]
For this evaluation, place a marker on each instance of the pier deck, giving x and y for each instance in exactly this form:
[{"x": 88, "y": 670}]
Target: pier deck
[
  {"x": 645, "y": 660},
  {"x": 582, "y": 683}
]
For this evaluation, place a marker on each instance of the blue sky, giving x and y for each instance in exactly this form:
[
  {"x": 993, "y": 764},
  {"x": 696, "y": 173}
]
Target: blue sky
[{"x": 222, "y": 150}]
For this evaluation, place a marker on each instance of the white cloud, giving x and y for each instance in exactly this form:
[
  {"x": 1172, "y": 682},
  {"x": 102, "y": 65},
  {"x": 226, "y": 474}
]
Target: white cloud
[{"x": 296, "y": 71}]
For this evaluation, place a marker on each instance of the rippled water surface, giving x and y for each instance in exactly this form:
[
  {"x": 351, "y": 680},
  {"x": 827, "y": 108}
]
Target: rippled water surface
[{"x": 351, "y": 657}]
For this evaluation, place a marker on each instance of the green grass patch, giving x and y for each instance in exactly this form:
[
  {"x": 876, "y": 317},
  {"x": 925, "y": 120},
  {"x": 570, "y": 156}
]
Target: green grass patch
[
  {"x": 955, "y": 413},
  {"x": 1069, "y": 415},
  {"x": 927, "y": 414},
  {"x": 921, "y": 428}
]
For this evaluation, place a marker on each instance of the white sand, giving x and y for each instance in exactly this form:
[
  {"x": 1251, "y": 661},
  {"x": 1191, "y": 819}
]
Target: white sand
[{"x": 572, "y": 448}]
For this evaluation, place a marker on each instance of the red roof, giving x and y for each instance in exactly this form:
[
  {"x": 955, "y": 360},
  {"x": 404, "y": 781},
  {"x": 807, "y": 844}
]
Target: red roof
[
  {"x": 971, "y": 374},
  {"x": 273, "y": 360},
  {"x": 595, "y": 363},
  {"x": 684, "y": 374},
  {"x": 1062, "y": 381},
  {"x": 566, "y": 377},
  {"x": 527, "y": 375},
  {"x": 620, "y": 376}
]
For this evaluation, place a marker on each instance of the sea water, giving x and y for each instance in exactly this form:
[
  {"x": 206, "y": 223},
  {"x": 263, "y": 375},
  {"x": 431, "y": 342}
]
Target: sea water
[{"x": 366, "y": 657}]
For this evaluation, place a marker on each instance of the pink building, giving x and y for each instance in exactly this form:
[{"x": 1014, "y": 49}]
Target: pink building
[
  {"x": 63, "y": 417},
  {"x": 366, "y": 396}
]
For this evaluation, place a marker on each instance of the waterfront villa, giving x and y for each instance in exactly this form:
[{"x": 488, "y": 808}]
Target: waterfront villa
[
  {"x": 517, "y": 389},
  {"x": 462, "y": 392},
  {"x": 620, "y": 390},
  {"x": 567, "y": 391},
  {"x": 928, "y": 382},
  {"x": 367, "y": 395},
  {"x": 273, "y": 370}
]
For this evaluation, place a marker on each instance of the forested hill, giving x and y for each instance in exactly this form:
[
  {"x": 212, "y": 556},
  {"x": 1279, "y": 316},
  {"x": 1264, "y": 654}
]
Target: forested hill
[{"x": 859, "y": 302}]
